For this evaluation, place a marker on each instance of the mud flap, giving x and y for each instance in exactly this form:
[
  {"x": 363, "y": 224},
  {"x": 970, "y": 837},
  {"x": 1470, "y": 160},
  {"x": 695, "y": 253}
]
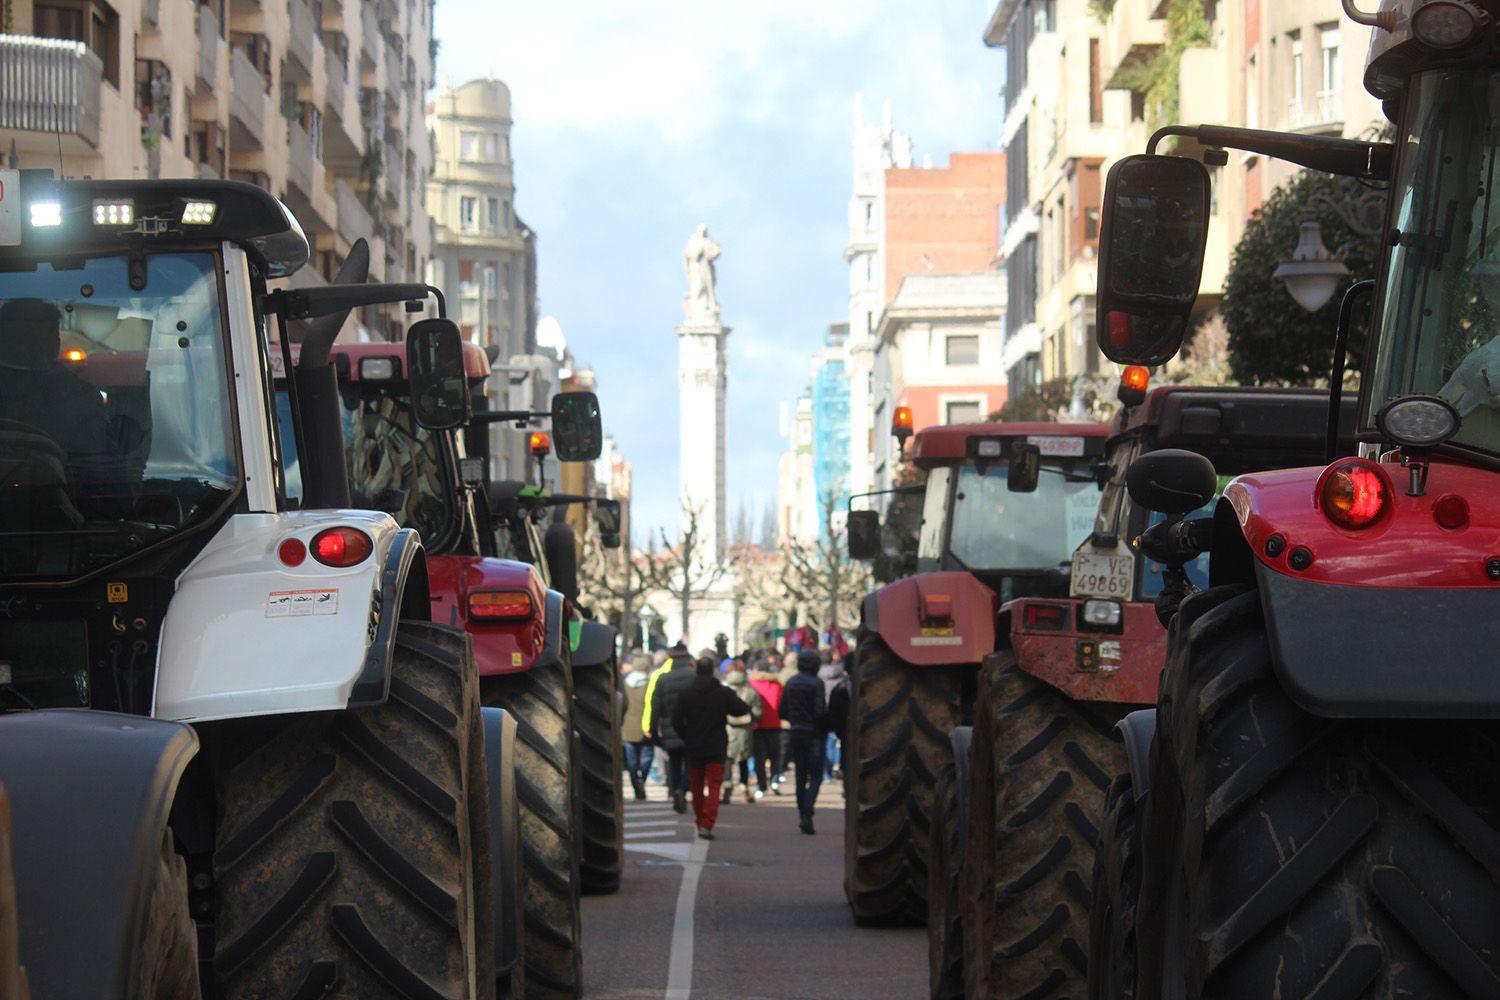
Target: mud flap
[
  {"x": 596, "y": 644},
  {"x": 1138, "y": 730},
  {"x": 90, "y": 793},
  {"x": 505, "y": 827}
]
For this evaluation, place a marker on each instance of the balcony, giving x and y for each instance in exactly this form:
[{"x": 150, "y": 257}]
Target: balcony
[
  {"x": 337, "y": 76},
  {"x": 393, "y": 73},
  {"x": 299, "y": 159},
  {"x": 300, "y": 40},
  {"x": 354, "y": 219},
  {"x": 1323, "y": 113},
  {"x": 247, "y": 106},
  {"x": 50, "y": 86},
  {"x": 369, "y": 35},
  {"x": 208, "y": 49}
]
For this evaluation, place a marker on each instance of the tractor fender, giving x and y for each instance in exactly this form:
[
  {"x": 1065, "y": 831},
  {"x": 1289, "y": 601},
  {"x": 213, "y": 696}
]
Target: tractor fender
[
  {"x": 505, "y": 833},
  {"x": 500, "y": 647},
  {"x": 1365, "y": 624},
  {"x": 1138, "y": 729},
  {"x": 966, "y": 637},
  {"x": 596, "y": 644},
  {"x": 89, "y": 793},
  {"x": 557, "y": 647},
  {"x": 247, "y": 634}
]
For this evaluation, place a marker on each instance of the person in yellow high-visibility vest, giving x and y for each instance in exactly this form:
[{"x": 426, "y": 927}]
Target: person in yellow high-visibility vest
[
  {"x": 678, "y": 650},
  {"x": 656, "y": 720}
]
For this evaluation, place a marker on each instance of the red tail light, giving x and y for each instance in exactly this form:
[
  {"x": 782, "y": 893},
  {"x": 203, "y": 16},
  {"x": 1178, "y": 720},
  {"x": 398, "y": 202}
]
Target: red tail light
[
  {"x": 1354, "y": 493},
  {"x": 1451, "y": 512},
  {"x": 937, "y": 609},
  {"x": 292, "y": 552},
  {"x": 1052, "y": 617},
  {"x": 500, "y": 605},
  {"x": 341, "y": 546}
]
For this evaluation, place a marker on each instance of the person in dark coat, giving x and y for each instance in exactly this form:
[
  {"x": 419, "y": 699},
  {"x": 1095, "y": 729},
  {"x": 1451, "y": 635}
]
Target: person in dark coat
[
  {"x": 701, "y": 716},
  {"x": 667, "y": 689},
  {"x": 804, "y": 708}
]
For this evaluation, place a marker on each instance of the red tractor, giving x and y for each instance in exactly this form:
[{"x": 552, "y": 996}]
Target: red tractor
[
  {"x": 1311, "y": 809},
  {"x": 524, "y": 632},
  {"x": 1030, "y": 778},
  {"x": 984, "y": 540}
]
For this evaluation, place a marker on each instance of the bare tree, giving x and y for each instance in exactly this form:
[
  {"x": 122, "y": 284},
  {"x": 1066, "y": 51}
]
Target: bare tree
[
  {"x": 612, "y": 582},
  {"x": 687, "y": 570},
  {"x": 820, "y": 578}
]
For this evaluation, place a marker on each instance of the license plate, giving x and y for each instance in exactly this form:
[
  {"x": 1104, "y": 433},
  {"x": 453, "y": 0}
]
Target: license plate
[
  {"x": 1057, "y": 447},
  {"x": 1103, "y": 574}
]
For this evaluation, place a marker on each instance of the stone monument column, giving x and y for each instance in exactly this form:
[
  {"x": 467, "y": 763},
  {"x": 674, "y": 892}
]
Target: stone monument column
[{"x": 702, "y": 379}]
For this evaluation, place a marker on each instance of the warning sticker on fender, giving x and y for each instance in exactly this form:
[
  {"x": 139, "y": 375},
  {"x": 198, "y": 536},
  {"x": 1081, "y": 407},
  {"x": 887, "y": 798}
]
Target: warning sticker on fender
[{"x": 301, "y": 603}]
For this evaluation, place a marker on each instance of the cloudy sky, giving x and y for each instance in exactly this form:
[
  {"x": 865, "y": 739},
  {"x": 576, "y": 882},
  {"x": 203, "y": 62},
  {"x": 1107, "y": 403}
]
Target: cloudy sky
[{"x": 636, "y": 121}]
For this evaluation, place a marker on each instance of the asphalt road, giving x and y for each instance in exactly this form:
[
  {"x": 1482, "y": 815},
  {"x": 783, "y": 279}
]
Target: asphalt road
[{"x": 762, "y": 911}]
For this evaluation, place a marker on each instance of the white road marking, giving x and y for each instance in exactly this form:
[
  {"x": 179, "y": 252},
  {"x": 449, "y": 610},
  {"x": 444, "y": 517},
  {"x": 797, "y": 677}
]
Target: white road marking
[
  {"x": 649, "y": 834},
  {"x": 641, "y": 824},
  {"x": 680, "y": 966}
]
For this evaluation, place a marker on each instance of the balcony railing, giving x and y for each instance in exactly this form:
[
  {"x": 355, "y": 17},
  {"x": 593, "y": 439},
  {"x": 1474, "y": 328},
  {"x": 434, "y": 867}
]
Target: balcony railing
[
  {"x": 299, "y": 159},
  {"x": 369, "y": 34},
  {"x": 1326, "y": 108},
  {"x": 354, "y": 219},
  {"x": 338, "y": 81},
  {"x": 208, "y": 47},
  {"x": 49, "y": 85},
  {"x": 247, "y": 104},
  {"x": 299, "y": 43}
]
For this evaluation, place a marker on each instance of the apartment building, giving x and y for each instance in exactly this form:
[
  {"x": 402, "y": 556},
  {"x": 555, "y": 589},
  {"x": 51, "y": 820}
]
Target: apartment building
[
  {"x": 318, "y": 102},
  {"x": 1075, "y": 103}
]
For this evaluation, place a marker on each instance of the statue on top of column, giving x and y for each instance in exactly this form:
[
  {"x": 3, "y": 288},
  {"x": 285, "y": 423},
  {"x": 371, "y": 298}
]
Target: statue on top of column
[{"x": 701, "y": 304}]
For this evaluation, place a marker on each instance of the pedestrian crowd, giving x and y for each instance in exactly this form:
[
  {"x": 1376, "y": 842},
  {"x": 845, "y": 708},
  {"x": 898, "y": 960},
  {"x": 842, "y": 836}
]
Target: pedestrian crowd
[{"x": 732, "y": 725}]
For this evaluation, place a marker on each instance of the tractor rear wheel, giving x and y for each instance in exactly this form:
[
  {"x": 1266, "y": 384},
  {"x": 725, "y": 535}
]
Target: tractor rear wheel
[
  {"x": 1310, "y": 855},
  {"x": 945, "y": 855},
  {"x": 12, "y": 976},
  {"x": 1051, "y": 760},
  {"x": 899, "y": 720},
  {"x": 597, "y": 716},
  {"x": 344, "y": 857},
  {"x": 1117, "y": 882},
  {"x": 541, "y": 699}
]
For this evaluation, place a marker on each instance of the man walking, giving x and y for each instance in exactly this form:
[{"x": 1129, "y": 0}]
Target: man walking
[
  {"x": 701, "y": 716},
  {"x": 805, "y": 711},
  {"x": 665, "y": 688},
  {"x": 639, "y": 752}
]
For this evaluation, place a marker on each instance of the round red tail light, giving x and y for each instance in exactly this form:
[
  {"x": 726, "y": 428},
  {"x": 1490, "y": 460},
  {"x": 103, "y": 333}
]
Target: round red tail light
[
  {"x": 341, "y": 546},
  {"x": 1354, "y": 493},
  {"x": 292, "y": 552},
  {"x": 1451, "y": 512}
]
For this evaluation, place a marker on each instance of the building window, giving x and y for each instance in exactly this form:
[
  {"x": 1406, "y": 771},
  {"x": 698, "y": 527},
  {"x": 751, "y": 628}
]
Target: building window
[
  {"x": 962, "y": 411},
  {"x": 95, "y": 24},
  {"x": 1096, "y": 85},
  {"x": 505, "y": 281},
  {"x": 468, "y": 213},
  {"x": 490, "y": 280},
  {"x": 478, "y": 146},
  {"x": 492, "y": 215},
  {"x": 1330, "y": 96},
  {"x": 153, "y": 84},
  {"x": 505, "y": 217},
  {"x": 961, "y": 349},
  {"x": 465, "y": 271},
  {"x": 1294, "y": 43}
]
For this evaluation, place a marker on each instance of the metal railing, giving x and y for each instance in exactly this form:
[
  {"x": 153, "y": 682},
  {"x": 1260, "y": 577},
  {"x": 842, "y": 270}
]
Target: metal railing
[
  {"x": 369, "y": 34},
  {"x": 50, "y": 85},
  {"x": 354, "y": 218},
  {"x": 299, "y": 159},
  {"x": 248, "y": 97},
  {"x": 208, "y": 46},
  {"x": 337, "y": 76},
  {"x": 299, "y": 43}
]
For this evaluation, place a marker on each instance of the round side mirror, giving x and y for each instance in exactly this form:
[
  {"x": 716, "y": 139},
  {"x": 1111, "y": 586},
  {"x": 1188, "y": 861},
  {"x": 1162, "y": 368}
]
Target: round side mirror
[{"x": 1171, "y": 481}]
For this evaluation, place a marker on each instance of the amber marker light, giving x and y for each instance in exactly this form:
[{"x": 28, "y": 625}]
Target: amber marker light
[
  {"x": 1134, "y": 381},
  {"x": 541, "y": 444},
  {"x": 500, "y": 605},
  {"x": 75, "y": 355}
]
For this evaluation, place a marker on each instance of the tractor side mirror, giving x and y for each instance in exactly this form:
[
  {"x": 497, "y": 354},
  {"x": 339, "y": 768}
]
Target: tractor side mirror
[
  {"x": 1023, "y": 470},
  {"x": 607, "y": 520},
  {"x": 1152, "y": 241},
  {"x": 435, "y": 363},
  {"x": 1171, "y": 481},
  {"x": 577, "y": 433},
  {"x": 864, "y": 534}
]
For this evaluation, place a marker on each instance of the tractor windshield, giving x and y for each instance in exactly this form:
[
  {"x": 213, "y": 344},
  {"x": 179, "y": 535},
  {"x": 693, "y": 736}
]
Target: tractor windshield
[
  {"x": 116, "y": 428},
  {"x": 996, "y": 530},
  {"x": 1440, "y": 325},
  {"x": 395, "y": 465}
]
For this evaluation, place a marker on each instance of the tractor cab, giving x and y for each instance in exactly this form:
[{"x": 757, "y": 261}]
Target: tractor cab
[{"x": 1007, "y": 502}]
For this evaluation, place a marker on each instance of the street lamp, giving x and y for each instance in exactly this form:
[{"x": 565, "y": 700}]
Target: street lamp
[{"x": 1311, "y": 273}]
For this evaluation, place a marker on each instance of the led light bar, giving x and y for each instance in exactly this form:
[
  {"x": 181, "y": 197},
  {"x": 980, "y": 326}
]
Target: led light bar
[
  {"x": 46, "y": 213},
  {"x": 199, "y": 213},
  {"x": 114, "y": 213}
]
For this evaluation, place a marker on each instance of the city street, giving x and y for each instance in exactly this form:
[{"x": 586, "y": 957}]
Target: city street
[{"x": 758, "y": 912}]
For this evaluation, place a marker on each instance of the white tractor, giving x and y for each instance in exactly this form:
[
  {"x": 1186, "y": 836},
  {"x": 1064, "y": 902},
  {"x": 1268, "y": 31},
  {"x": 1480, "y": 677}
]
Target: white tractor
[{"x": 241, "y": 761}]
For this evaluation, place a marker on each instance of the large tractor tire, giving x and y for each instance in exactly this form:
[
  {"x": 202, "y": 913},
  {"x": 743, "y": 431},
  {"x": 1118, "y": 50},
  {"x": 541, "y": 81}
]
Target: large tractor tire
[
  {"x": 945, "y": 855},
  {"x": 1051, "y": 760},
  {"x": 1289, "y": 855},
  {"x": 12, "y": 976},
  {"x": 344, "y": 858},
  {"x": 1117, "y": 883},
  {"x": 541, "y": 699},
  {"x": 602, "y": 764},
  {"x": 899, "y": 720}
]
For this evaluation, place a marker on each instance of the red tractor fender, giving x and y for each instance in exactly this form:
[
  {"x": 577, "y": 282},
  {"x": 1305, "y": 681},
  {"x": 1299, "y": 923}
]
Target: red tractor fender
[
  {"x": 1119, "y": 666},
  {"x": 934, "y": 619},
  {"x": 1405, "y": 548},
  {"x": 499, "y": 647}
]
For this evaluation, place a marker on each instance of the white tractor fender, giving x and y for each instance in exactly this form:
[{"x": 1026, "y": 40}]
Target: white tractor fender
[{"x": 247, "y": 635}]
